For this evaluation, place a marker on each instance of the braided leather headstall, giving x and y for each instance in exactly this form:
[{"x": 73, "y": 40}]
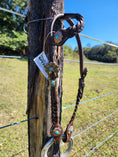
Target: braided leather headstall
[{"x": 58, "y": 38}]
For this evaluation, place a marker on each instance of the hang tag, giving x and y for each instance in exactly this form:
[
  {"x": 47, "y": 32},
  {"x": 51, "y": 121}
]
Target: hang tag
[{"x": 41, "y": 60}]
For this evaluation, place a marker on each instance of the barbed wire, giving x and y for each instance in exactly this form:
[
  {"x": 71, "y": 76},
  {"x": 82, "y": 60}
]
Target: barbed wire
[{"x": 102, "y": 142}]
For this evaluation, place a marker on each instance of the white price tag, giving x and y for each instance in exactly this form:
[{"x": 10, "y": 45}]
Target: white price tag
[{"x": 41, "y": 60}]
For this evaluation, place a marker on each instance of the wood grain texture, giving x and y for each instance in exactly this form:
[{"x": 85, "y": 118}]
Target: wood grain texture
[{"x": 39, "y": 100}]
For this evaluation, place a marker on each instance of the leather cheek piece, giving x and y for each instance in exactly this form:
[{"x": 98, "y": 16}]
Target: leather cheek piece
[{"x": 58, "y": 38}]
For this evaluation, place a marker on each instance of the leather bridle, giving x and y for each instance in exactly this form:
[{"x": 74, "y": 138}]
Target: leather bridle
[{"x": 58, "y": 38}]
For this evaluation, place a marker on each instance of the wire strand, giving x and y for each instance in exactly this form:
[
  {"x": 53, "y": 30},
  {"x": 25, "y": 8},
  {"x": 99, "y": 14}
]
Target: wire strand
[
  {"x": 18, "y": 122},
  {"x": 16, "y": 57},
  {"x": 46, "y": 39},
  {"x": 37, "y": 20},
  {"x": 21, "y": 57},
  {"x": 110, "y": 44},
  {"x": 101, "y": 142},
  {"x": 63, "y": 108},
  {"x": 95, "y": 124},
  {"x": 91, "y": 62},
  {"x": 12, "y": 12}
]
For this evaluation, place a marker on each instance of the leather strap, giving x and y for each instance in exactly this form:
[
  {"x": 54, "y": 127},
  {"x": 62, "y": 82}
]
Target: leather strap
[{"x": 58, "y": 38}]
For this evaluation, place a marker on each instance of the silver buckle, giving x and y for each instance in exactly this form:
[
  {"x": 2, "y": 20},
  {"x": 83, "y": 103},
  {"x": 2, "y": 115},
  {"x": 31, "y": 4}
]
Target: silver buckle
[{"x": 50, "y": 143}]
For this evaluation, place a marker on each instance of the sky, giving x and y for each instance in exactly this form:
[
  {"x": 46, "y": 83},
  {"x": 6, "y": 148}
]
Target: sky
[{"x": 101, "y": 20}]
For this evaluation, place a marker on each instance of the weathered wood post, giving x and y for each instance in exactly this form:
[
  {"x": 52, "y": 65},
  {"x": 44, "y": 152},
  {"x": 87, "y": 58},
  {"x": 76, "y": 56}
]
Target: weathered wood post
[{"x": 39, "y": 100}]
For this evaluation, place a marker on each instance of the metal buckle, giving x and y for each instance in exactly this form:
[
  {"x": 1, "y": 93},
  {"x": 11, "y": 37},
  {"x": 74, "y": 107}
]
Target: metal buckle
[
  {"x": 50, "y": 143},
  {"x": 70, "y": 147}
]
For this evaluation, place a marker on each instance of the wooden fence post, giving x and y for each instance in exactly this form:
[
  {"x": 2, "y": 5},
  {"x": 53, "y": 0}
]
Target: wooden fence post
[{"x": 39, "y": 100}]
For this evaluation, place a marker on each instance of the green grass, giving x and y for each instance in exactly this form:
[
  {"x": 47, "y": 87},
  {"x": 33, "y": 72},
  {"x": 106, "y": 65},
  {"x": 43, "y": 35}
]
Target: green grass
[
  {"x": 101, "y": 79},
  {"x": 13, "y": 100}
]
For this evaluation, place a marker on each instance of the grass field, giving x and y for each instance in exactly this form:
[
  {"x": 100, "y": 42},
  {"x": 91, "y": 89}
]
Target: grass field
[{"x": 101, "y": 79}]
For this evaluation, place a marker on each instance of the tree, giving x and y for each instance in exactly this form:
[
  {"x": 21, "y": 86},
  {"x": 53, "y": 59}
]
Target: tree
[
  {"x": 12, "y": 37},
  {"x": 110, "y": 57},
  {"x": 10, "y": 21},
  {"x": 103, "y": 53},
  {"x": 76, "y": 50},
  {"x": 67, "y": 50}
]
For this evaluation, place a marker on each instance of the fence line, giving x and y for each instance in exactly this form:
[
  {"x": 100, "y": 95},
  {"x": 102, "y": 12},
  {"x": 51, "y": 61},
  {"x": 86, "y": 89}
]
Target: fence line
[
  {"x": 110, "y": 44},
  {"x": 12, "y": 12},
  {"x": 21, "y": 57},
  {"x": 95, "y": 124},
  {"x": 63, "y": 108},
  {"x": 74, "y": 136},
  {"x": 18, "y": 122},
  {"x": 101, "y": 143},
  {"x": 91, "y": 62},
  {"x": 16, "y": 57},
  {"x": 86, "y": 36}
]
